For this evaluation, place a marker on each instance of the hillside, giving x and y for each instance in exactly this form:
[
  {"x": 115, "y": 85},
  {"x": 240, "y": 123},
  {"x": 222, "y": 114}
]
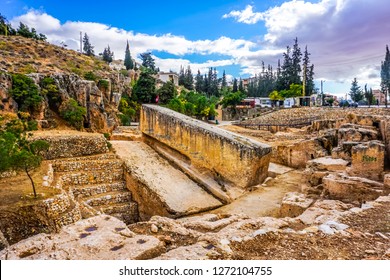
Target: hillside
[
  {"x": 61, "y": 77},
  {"x": 25, "y": 56}
]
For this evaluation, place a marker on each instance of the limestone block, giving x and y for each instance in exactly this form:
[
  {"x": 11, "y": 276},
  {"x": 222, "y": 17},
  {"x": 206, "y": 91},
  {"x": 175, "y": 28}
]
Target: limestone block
[
  {"x": 98, "y": 238},
  {"x": 343, "y": 151},
  {"x": 355, "y": 133},
  {"x": 314, "y": 177},
  {"x": 352, "y": 189},
  {"x": 159, "y": 188},
  {"x": 231, "y": 157},
  {"x": 275, "y": 169},
  {"x": 327, "y": 164},
  {"x": 294, "y": 204},
  {"x": 368, "y": 160}
]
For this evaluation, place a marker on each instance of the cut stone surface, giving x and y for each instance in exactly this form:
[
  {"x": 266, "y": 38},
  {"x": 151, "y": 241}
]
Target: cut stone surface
[
  {"x": 294, "y": 204},
  {"x": 275, "y": 169},
  {"x": 327, "y": 164},
  {"x": 368, "y": 160},
  {"x": 98, "y": 238},
  {"x": 159, "y": 188},
  {"x": 351, "y": 189}
]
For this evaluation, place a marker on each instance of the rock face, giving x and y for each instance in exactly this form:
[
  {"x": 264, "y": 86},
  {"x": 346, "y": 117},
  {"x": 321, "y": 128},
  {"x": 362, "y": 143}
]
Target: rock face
[
  {"x": 98, "y": 238},
  {"x": 352, "y": 189},
  {"x": 368, "y": 160},
  {"x": 159, "y": 188},
  {"x": 233, "y": 158},
  {"x": 101, "y": 103}
]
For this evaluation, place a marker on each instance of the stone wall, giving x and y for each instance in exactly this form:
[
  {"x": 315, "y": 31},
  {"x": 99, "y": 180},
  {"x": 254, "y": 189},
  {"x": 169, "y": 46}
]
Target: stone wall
[
  {"x": 231, "y": 157},
  {"x": 66, "y": 145}
]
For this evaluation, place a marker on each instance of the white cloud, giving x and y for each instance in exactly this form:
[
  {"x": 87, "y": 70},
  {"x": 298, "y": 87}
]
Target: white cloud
[{"x": 245, "y": 16}]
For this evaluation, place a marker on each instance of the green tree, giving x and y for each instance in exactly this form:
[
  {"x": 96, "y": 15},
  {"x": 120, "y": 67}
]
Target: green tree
[
  {"x": 188, "y": 79},
  {"x": 73, "y": 113},
  {"x": 128, "y": 59},
  {"x": 145, "y": 88},
  {"x": 355, "y": 92},
  {"x": 199, "y": 82},
  {"x": 368, "y": 95},
  {"x": 294, "y": 91},
  {"x": 25, "y": 92},
  {"x": 6, "y": 28},
  {"x": 167, "y": 92},
  {"x": 50, "y": 89},
  {"x": 232, "y": 99},
  {"x": 148, "y": 61},
  {"x": 108, "y": 54},
  {"x": 309, "y": 73},
  {"x": 385, "y": 74},
  {"x": 296, "y": 63},
  {"x": 17, "y": 152},
  {"x": 224, "y": 81},
  {"x": 87, "y": 47},
  {"x": 275, "y": 96},
  {"x": 235, "y": 86}
]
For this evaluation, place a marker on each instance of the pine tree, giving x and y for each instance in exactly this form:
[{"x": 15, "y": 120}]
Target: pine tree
[
  {"x": 181, "y": 76},
  {"x": 188, "y": 79},
  {"x": 308, "y": 72},
  {"x": 385, "y": 74},
  {"x": 199, "y": 82},
  {"x": 129, "y": 64},
  {"x": 108, "y": 54},
  {"x": 88, "y": 48},
  {"x": 235, "y": 86},
  {"x": 148, "y": 61},
  {"x": 241, "y": 86},
  {"x": 355, "y": 91},
  {"x": 296, "y": 63},
  {"x": 368, "y": 95},
  {"x": 223, "y": 82}
]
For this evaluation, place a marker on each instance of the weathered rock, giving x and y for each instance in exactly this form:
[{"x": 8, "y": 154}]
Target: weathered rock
[
  {"x": 344, "y": 150},
  {"x": 198, "y": 251},
  {"x": 159, "y": 188},
  {"x": 386, "y": 182},
  {"x": 294, "y": 204},
  {"x": 3, "y": 241},
  {"x": 275, "y": 169},
  {"x": 355, "y": 133},
  {"x": 297, "y": 155},
  {"x": 224, "y": 153},
  {"x": 209, "y": 222},
  {"x": 98, "y": 238},
  {"x": 322, "y": 211},
  {"x": 368, "y": 160},
  {"x": 351, "y": 189},
  {"x": 327, "y": 164}
]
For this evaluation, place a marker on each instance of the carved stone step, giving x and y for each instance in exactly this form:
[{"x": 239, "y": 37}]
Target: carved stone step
[
  {"x": 127, "y": 212},
  {"x": 92, "y": 177},
  {"x": 87, "y": 165},
  {"x": 91, "y": 190},
  {"x": 109, "y": 198}
]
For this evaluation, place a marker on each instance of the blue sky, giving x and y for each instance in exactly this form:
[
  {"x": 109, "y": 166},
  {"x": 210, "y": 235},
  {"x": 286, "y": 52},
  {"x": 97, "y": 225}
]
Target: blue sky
[{"x": 346, "y": 38}]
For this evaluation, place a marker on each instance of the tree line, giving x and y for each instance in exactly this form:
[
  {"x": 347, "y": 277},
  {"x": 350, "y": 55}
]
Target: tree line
[{"x": 23, "y": 30}]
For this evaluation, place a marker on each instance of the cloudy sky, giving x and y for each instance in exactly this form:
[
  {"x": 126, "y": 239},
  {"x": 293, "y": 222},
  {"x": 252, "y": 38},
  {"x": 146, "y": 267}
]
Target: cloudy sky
[{"x": 346, "y": 38}]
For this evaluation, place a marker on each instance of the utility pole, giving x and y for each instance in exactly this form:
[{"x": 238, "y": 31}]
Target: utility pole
[{"x": 81, "y": 42}]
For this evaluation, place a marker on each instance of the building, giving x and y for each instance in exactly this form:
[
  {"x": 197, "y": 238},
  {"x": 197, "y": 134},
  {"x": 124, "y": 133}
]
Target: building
[
  {"x": 380, "y": 96},
  {"x": 169, "y": 76}
]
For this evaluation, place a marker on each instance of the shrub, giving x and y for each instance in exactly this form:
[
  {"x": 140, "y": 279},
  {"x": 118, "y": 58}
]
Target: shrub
[
  {"x": 90, "y": 76},
  {"x": 103, "y": 84},
  {"x": 25, "y": 93},
  {"x": 73, "y": 113}
]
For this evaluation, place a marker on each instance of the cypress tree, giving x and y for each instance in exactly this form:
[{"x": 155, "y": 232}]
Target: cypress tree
[
  {"x": 128, "y": 60},
  {"x": 385, "y": 74}
]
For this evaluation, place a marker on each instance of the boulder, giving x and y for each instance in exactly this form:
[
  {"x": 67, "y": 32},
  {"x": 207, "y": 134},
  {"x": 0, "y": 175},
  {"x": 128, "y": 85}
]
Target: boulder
[{"x": 327, "y": 164}]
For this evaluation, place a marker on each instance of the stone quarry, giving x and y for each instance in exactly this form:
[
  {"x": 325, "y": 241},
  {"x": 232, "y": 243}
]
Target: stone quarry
[{"x": 178, "y": 188}]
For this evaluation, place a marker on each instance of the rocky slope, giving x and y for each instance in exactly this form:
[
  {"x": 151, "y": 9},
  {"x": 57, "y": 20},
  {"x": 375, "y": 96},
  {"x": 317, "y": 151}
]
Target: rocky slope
[{"x": 39, "y": 60}]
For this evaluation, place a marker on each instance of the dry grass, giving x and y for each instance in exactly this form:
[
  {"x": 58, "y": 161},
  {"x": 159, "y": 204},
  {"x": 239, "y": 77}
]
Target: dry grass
[{"x": 17, "y": 190}]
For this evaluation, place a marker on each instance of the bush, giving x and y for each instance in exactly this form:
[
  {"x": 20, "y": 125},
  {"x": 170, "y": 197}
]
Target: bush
[
  {"x": 103, "y": 84},
  {"x": 25, "y": 92},
  {"x": 73, "y": 113},
  {"x": 90, "y": 76}
]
